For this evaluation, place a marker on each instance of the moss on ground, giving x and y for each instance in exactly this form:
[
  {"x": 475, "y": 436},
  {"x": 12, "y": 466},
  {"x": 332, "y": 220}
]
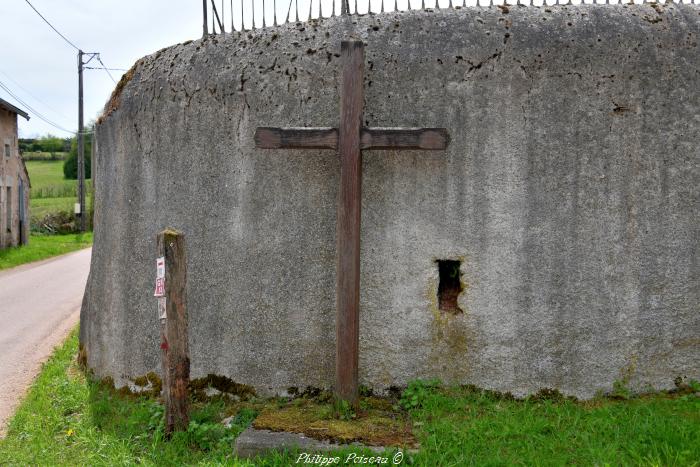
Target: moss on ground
[{"x": 376, "y": 424}]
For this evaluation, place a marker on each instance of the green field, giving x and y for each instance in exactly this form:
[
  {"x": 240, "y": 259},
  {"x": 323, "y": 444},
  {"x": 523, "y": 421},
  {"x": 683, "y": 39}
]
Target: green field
[
  {"x": 70, "y": 419},
  {"x": 44, "y": 156},
  {"x": 50, "y": 191},
  {"x": 42, "y": 247},
  {"x": 50, "y": 194}
]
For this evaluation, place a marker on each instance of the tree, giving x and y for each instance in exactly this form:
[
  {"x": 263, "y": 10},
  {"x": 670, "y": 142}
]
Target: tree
[
  {"x": 50, "y": 144},
  {"x": 70, "y": 166}
]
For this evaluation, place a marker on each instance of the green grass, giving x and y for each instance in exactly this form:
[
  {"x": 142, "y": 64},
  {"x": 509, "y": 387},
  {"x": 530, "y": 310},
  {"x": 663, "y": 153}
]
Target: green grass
[
  {"x": 45, "y": 175},
  {"x": 42, "y": 247},
  {"x": 68, "y": 419},
  {"x": 471, "y": 427},
  {"x": 50, "y": 192},
  {"x": 48, "y": 181},
  {"x": 40, "y": 207}
]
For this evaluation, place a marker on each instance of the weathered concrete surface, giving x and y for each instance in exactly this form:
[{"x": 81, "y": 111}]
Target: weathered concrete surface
[{"x": 570, "y": 191}]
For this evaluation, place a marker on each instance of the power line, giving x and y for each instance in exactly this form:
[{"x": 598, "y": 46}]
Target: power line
[
  {"x": 51, "y": 26},
  {"x": 104, "y": 67},
  {"x": 37, "y": 114},
  {"x": 68, "y": 41},
  {"x": 33, "y": 96}
]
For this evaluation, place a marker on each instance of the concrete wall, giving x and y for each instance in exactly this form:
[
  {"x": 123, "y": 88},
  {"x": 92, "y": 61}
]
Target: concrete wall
[
  {"x": 570, "y": 192},
  {"x": 15, "y": 227}
]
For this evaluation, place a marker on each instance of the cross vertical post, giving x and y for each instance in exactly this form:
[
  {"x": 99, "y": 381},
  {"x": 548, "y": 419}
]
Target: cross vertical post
[
  {"x": 350, "y": 139},
  {"x": 348, "y": 223}
]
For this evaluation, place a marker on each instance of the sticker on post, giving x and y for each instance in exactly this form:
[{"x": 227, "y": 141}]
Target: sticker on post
[
  {"x": 160, "y": 287},
  {"x": 162, "y": 314},
  {"x": 160, "y": 268}
]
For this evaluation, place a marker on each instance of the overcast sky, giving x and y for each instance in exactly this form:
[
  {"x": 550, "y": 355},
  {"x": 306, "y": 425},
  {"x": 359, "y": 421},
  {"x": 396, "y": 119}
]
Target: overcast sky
[{"x": 40, "y": 68}]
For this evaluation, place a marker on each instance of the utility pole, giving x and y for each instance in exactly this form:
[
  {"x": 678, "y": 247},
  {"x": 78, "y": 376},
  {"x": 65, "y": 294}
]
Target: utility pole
[
  {"x": 81, "y": 141},
  {"x": 81, "y": 144},
  {"x": 204, "y": 24}
]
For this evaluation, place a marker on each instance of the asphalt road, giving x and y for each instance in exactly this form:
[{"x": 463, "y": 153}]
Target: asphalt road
[{"x": 39, "y": 305}]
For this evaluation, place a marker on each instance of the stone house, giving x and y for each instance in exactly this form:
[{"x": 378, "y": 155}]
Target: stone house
[{"x": 14, "y": 180}]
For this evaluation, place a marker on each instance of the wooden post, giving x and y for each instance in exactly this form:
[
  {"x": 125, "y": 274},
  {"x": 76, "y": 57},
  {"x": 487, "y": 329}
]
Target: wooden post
[
  {"x": 175, "y": 349},
  {"x": 81, "y": 144},
  {"x": 348, "y": 225}
]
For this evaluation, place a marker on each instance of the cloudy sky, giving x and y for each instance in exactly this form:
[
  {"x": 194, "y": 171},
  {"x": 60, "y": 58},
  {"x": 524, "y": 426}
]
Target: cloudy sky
[{"x": 40, "y": 68}]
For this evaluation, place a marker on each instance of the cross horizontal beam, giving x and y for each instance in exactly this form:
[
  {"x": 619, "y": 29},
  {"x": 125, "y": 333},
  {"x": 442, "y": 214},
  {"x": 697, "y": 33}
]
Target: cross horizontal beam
[
  {"x": 296, "y": 138},
  {"x": 370, "y": 138}
]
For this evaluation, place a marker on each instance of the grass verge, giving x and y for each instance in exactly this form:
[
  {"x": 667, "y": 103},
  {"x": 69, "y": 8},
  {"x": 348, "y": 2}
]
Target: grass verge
[
  {"x": 42, "y": 247},
  {"x": 68, "y": 419}
]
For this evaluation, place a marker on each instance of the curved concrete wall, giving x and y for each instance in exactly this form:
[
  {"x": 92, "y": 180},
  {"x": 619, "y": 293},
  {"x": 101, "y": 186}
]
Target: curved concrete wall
[{"x": 569, "y": 192}]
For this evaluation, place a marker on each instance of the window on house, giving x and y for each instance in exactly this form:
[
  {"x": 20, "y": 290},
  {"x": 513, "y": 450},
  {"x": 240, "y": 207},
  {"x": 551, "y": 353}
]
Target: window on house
[{"x": 7, "y": 150}]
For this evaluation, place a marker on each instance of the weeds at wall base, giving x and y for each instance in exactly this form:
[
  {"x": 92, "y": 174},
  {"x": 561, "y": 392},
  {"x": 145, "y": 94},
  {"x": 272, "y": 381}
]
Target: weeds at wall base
[{"x": 68, "y": 418}]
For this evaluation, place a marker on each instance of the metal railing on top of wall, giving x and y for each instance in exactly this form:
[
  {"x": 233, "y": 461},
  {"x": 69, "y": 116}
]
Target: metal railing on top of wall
[{"x": 244, "y": 15}]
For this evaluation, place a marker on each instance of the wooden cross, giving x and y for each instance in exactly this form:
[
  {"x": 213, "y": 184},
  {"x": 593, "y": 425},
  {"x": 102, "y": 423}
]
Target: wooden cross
[{"x": 349, "y": 140}]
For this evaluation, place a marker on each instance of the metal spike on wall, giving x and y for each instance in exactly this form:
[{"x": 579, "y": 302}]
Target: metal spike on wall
[
  {"x": 337, "y": 9},
  {"x": 263, "y": 13}
]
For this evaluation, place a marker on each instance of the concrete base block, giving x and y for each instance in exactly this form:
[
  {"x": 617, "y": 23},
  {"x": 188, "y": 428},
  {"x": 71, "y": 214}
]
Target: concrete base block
[{"x": 253, "y": 442}]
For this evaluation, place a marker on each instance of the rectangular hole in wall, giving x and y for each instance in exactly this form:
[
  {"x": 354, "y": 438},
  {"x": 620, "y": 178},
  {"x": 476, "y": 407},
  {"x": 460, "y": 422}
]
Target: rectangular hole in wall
[{"x": 450, "y": 285}]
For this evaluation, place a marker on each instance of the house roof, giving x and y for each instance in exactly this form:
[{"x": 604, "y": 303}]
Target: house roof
[{"x": 6, "y": 105}]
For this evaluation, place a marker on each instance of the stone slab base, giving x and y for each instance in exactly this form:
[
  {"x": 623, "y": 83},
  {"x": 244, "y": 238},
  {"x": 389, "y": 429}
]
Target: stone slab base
[{"x": 252, "y": 443}]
